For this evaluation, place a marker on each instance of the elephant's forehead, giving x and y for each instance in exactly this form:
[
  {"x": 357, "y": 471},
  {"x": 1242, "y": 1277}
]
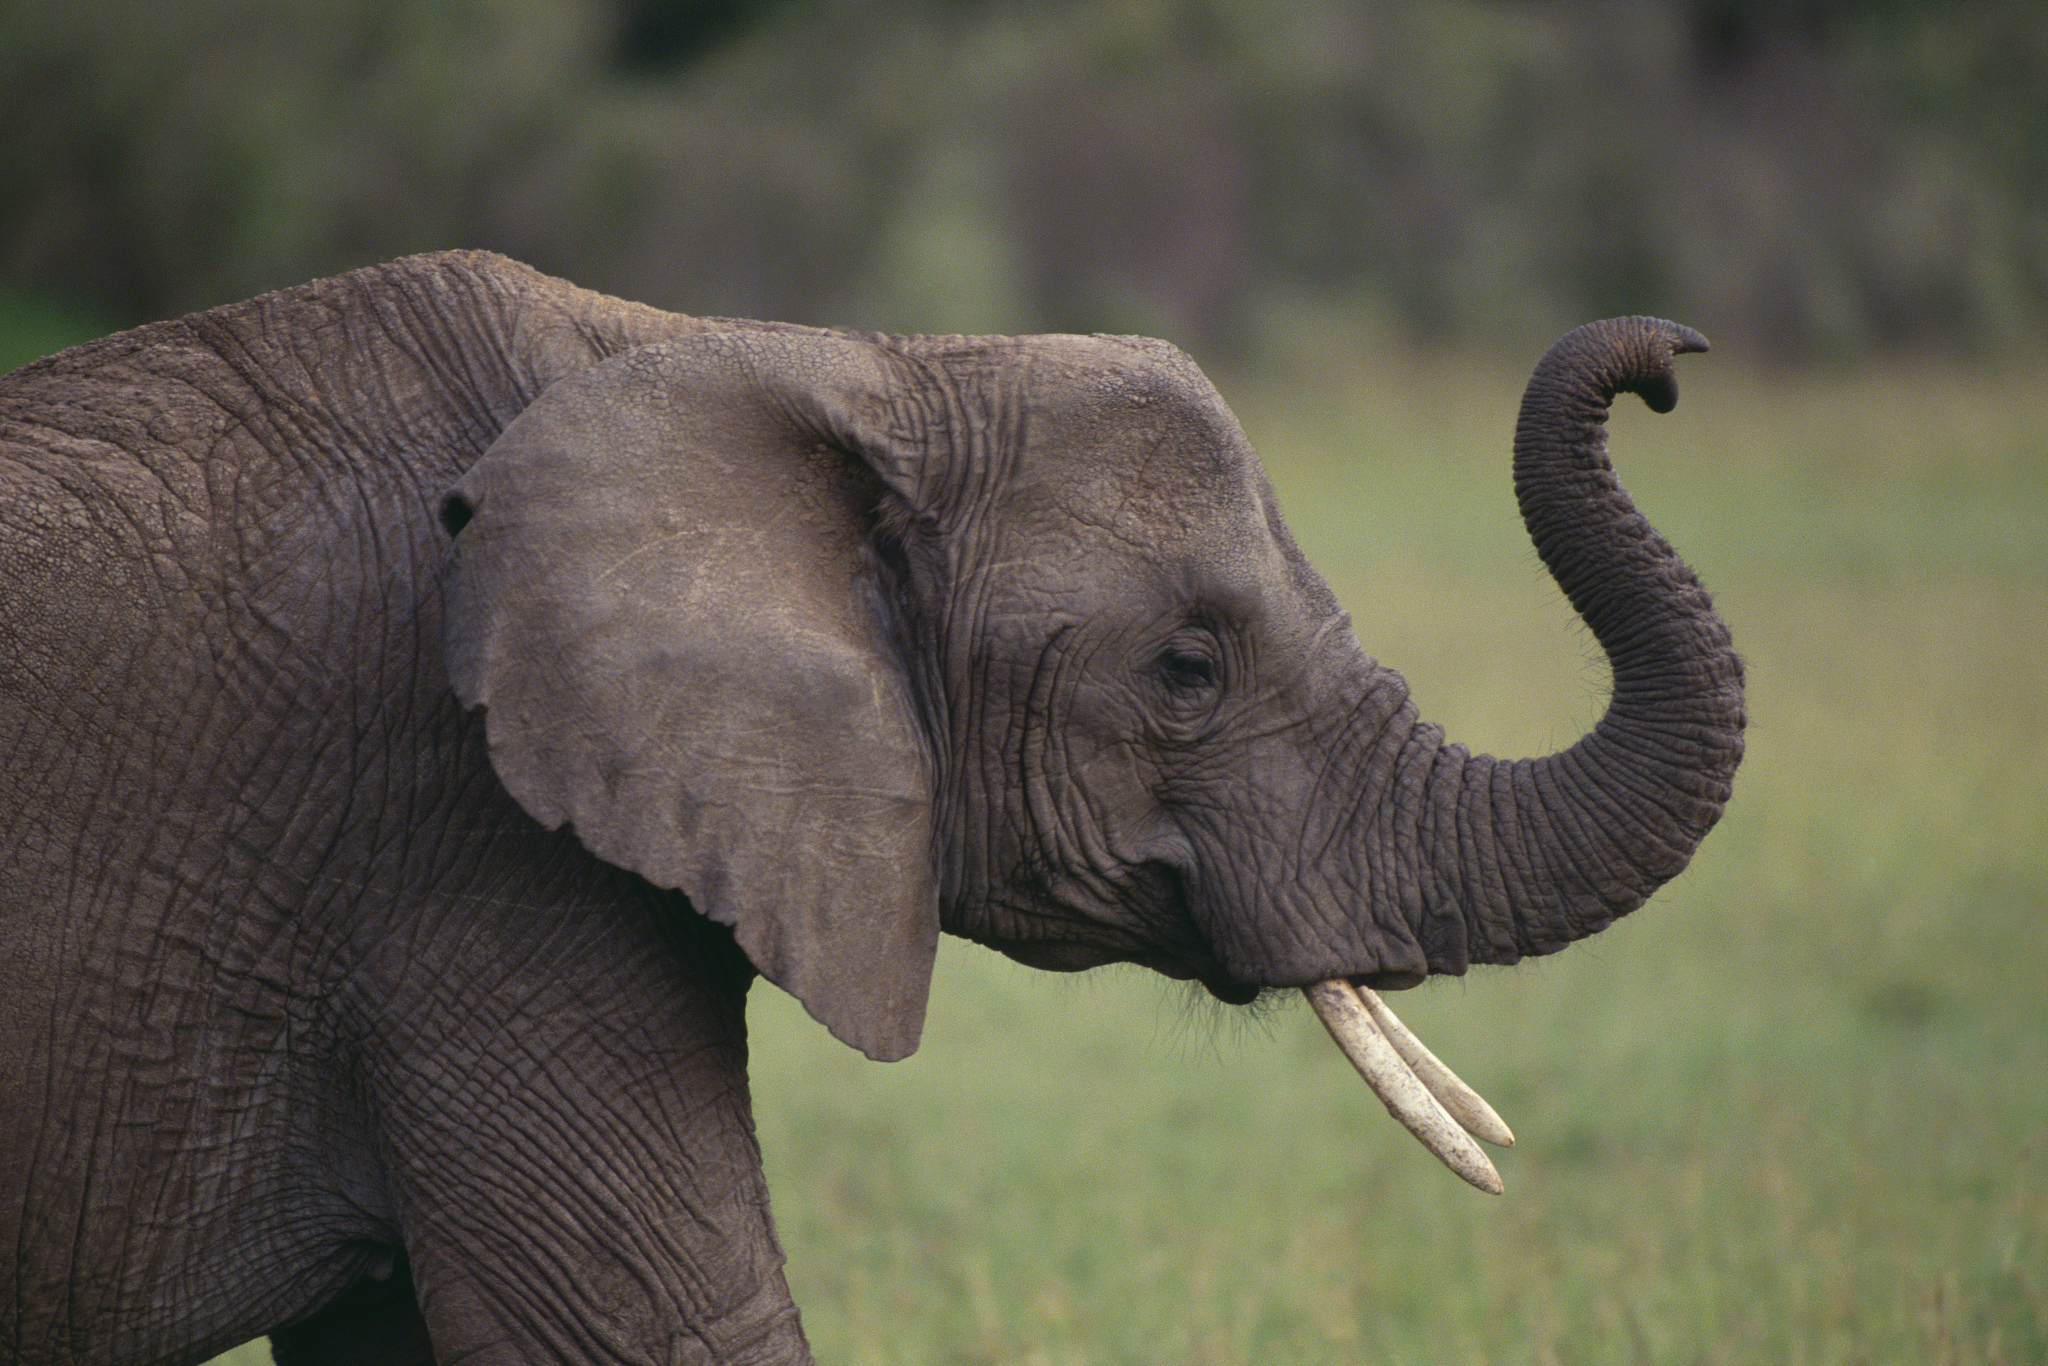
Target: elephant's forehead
[
  {"x": 1152, "y": 467},
  {"x": 1138, "y": 569},
  {"x": 1201, "y": 515},
  {"x": 1132, "y": 472}
]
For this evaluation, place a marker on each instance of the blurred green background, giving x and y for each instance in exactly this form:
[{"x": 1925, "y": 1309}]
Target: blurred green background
[
  {"x": 1812, "y": 178},
  {"x": 1797, "y": 1109}
]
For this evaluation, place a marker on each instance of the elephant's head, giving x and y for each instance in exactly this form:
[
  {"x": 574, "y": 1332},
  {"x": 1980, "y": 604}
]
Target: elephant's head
[{"x": 850, "y": 639}]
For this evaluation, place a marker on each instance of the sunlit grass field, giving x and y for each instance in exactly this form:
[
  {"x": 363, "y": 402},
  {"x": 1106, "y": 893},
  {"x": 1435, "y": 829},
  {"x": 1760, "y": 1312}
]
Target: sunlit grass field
[{"x": 1795, "y": 1111}]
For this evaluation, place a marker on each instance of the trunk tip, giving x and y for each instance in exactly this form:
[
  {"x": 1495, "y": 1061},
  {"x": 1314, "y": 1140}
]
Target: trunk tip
[{"x": 1627, "y": 355}]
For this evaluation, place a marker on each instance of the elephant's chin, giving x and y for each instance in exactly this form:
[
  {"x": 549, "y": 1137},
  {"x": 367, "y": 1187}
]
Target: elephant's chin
[{"x": 1049, "y": 955}]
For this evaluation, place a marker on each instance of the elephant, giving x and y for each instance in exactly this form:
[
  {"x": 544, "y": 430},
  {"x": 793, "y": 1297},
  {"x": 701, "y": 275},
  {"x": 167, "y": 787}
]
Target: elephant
[{"x": 431, "y": 695}]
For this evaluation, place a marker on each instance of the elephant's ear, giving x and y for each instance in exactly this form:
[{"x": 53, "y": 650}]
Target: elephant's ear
[{"x": 662, "y": 593}]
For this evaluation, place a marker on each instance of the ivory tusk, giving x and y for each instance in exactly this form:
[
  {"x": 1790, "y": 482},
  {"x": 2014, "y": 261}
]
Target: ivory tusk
[
  {"x": 1343, "y": 1012},
  {"x": 1465, "y": 1104}
]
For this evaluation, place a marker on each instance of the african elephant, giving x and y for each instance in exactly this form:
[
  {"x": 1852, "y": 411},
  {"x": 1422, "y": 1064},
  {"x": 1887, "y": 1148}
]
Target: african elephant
[{"x": 429, "y": 696}]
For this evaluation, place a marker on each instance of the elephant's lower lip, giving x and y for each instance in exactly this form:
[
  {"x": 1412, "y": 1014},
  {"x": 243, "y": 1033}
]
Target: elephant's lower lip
[
  {"x": 1231, "y": 993},
  {"x": 1397, "y": 980}
]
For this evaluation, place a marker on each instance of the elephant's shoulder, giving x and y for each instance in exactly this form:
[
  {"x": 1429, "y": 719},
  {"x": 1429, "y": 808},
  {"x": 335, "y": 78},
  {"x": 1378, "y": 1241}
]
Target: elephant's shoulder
[{"x": 109, "y": 441}]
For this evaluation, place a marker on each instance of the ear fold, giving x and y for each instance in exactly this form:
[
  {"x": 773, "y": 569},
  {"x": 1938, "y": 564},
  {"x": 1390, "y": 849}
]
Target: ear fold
[{"x": 658, "y": 593}]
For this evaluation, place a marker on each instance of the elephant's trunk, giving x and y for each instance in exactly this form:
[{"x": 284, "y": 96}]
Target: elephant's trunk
[
  {"x": 1560, "y": 846},
  {"x": 1506, "y": 859}
]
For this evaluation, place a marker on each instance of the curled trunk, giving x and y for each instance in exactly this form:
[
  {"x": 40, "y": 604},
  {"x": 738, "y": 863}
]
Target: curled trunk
[
  {"x": 1606, "y": 822},
  {"x": 1539, "y": 852},
  {"x": 1502, "y": 859}
]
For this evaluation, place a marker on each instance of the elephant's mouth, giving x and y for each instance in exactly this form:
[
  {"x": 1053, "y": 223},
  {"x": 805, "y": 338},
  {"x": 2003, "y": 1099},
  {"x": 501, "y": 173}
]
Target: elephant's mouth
[{"x": 1429, "y": 1100}]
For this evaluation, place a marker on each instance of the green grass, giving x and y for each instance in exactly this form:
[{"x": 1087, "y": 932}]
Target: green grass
[{"x": 1796, "y": 1111}]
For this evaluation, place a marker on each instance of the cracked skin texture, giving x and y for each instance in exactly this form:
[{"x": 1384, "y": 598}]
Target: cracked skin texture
[{"x": 432, "y": 695}]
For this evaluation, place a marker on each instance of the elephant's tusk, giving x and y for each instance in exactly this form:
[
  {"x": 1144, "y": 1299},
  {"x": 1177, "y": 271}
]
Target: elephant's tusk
[
  {"x": 1466, "y": 1105},
  {"x": 1343, "y": 1011}
]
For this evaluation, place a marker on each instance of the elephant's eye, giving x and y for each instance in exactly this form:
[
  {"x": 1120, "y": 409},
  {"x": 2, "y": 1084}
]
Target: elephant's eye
[{"x": 1189, "y": 669}]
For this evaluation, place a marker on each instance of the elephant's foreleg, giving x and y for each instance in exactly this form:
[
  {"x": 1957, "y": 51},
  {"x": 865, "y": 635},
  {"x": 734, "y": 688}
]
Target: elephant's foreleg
[{"x": 561, "y": 1096}]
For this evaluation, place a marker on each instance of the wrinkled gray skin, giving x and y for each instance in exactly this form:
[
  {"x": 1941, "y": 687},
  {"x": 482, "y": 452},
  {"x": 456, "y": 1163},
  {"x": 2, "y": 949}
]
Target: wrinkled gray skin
[{"x": 321, "y": 977}]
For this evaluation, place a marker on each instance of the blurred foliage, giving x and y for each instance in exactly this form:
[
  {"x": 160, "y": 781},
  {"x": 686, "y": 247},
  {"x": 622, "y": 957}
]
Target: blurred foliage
[
  {"x": 1806, "y": 177},
  {"x": 31, "y": 327}
]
